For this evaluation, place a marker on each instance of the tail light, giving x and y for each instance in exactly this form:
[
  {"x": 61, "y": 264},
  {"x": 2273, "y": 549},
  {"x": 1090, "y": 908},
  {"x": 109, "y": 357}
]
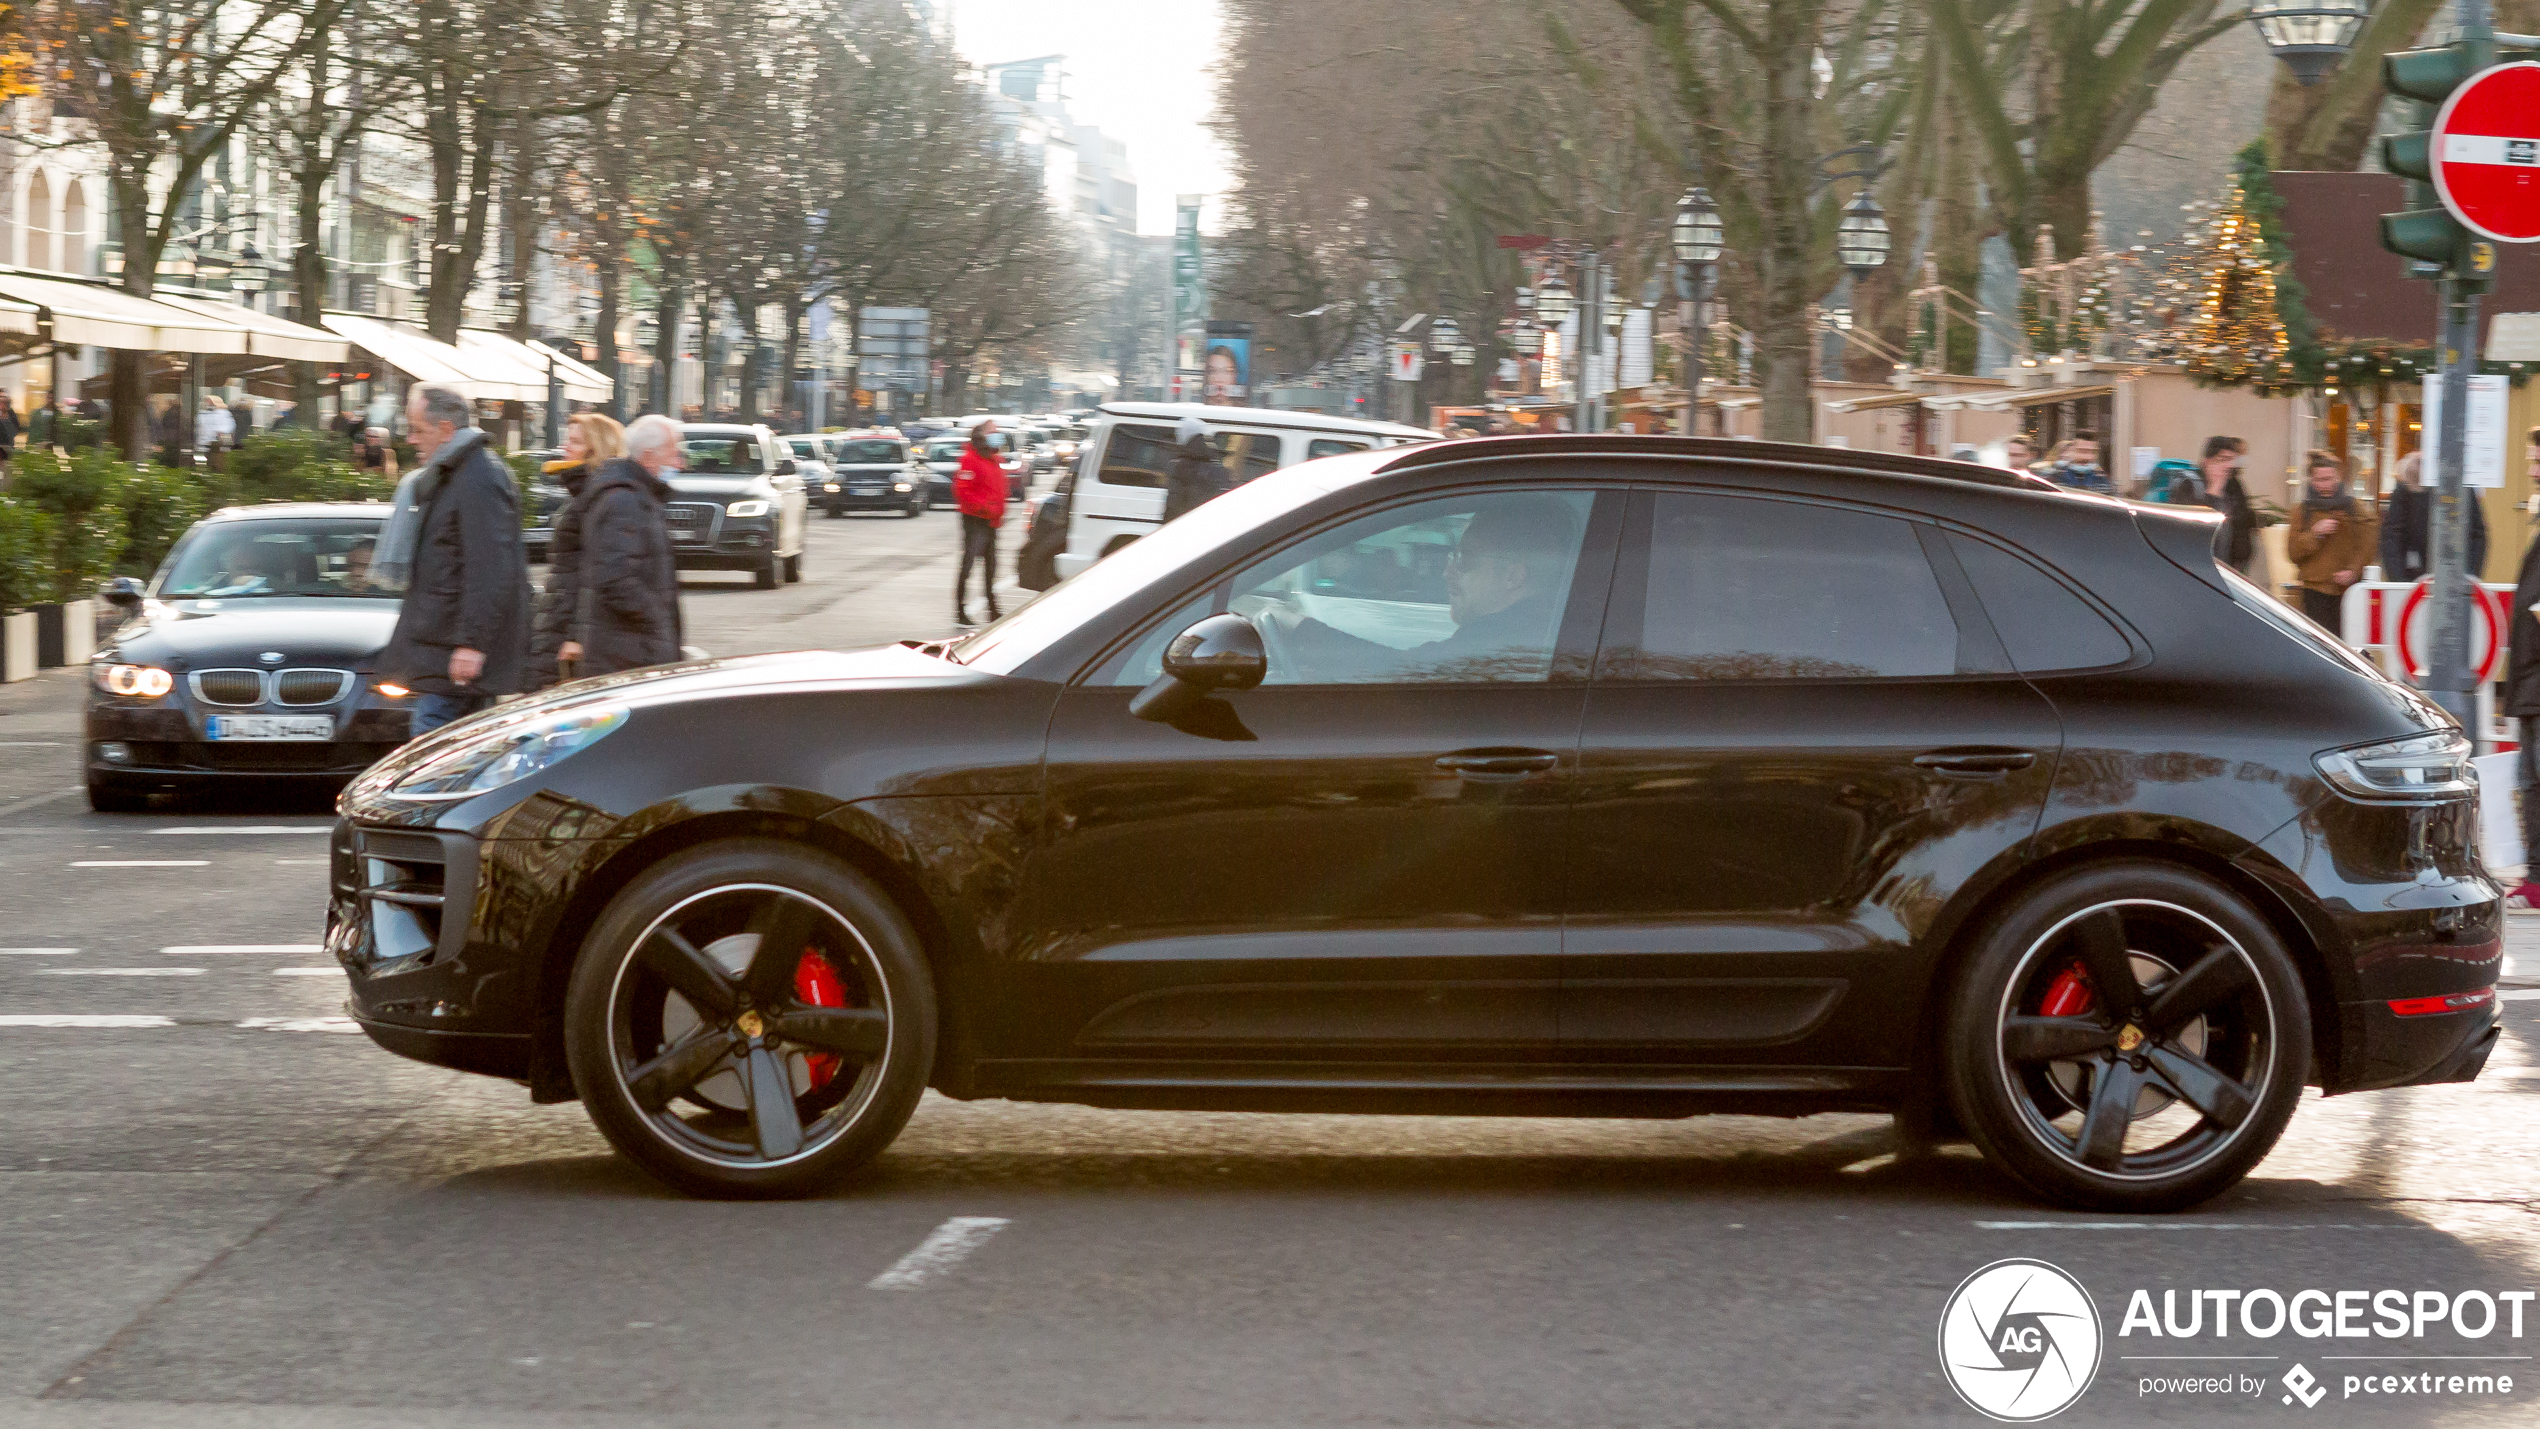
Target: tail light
[{"x": 2449, "y": 1002}]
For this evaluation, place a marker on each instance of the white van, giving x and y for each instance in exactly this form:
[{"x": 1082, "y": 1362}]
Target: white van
[{"x": 1118, "y": 493}]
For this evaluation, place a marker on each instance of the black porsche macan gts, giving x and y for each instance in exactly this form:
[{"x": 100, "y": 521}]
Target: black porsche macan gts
[{"x": 1594, "y": 776}]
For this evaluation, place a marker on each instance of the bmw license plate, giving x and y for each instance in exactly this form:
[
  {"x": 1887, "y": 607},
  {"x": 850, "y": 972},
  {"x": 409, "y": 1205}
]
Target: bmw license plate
[{"x": 270, "y": 726}]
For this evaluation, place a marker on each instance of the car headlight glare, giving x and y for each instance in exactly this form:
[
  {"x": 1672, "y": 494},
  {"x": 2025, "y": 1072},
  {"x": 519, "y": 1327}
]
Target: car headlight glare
[
  {"x": 904, "y": 486},
  {"x": 2418, "y": 768},
  {"x": 504, "y": 753},
  {"x": 831, "y": 486},
  {"x": 145, "y": 682},
  {"x": 746, "y": 508}
]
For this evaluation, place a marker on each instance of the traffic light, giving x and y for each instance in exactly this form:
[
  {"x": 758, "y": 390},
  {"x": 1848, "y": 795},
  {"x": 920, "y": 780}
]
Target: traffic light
[{"x": 2425, "y": 231}]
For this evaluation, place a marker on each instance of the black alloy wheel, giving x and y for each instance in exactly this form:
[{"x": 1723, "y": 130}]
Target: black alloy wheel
[
  {"x": 794, "y": 569},
  {"x": 2129, "y": 1037},
  {"x": 750, "y": 1019},
  {"x": 769, "y": 571}
]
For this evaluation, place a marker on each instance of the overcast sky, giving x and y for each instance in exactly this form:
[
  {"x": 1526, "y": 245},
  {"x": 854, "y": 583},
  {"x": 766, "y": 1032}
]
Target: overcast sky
[{"x": 1136, "y": 69}]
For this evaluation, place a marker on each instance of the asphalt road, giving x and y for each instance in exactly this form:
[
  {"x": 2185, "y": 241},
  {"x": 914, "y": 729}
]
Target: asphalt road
[{"x": 221, "y": 1206}]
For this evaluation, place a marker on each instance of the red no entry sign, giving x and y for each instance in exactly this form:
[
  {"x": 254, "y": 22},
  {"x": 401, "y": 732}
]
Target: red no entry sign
[{"x": 2487, "y": 153}]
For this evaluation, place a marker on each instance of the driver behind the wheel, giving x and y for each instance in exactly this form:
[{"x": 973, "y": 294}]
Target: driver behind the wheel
[{"x": 1504, "y": 582}]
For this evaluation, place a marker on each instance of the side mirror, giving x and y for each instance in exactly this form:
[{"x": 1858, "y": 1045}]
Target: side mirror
[
  {"x": 124, "y": 591},
  {"x": 1223, "y": 652}
]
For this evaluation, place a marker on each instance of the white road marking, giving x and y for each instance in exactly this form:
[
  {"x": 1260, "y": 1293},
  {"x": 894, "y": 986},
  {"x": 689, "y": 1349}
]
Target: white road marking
[
  {"x": 200, "y": 949},
  {"x": 2517, "y": 994},
  {"x": 40, "y": 799},
  {"x": 301, "y": 1024},
  {"x": 141, "y": 863},
  {"x": 30, "y": 744},
  {"x": 81, "y": 1019},
  {"x": 301, "y": 862},
  {"x": 308, "y": 972},
  {"x": 254, "y": 829},
  {"x": 120, "y": 972},
  {"x": 37, "y": 952},
  {"x": 945, "y": 1246}
]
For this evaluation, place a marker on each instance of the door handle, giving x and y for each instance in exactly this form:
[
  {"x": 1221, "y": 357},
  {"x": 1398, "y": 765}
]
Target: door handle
[
  {"x": 1976, "y": 762},
  {"x": 1499, "y": 764}
]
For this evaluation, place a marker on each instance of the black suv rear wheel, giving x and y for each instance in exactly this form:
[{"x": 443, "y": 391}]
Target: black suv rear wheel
[{"x": 2128, "y": 1037}]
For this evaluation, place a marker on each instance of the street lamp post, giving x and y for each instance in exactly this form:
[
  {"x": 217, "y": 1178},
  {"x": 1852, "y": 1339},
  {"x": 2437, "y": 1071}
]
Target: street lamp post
[
  {"x": 1861, "y": 240},
  {"x": 1697, "y": 237},
  {"x": 2310, "y": 36}
]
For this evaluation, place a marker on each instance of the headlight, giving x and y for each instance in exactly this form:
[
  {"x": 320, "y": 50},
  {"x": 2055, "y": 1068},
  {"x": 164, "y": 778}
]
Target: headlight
[
  {"x": 746, "y": 509},
  {"x": 392, "y": 690},
  {"x": 904, "y": 486},
  {"x": 147, "y": 682},
  {"x": 2420, "y": 767},
  {"x": 505, "y": 753},
  {"x": 829, "y": 486}
]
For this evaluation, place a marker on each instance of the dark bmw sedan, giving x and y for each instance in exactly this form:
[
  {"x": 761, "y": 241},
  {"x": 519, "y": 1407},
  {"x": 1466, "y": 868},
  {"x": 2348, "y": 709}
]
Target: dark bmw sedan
[
  {"x": 1569, "y": 775},
  {"x": 247, "y": 658}
]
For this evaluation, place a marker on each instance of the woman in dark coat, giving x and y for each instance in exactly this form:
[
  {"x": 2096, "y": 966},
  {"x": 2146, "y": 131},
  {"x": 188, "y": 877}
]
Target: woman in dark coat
[
  {"x": 2407, "y": 528},
  {"x": 590, "y": 440}
]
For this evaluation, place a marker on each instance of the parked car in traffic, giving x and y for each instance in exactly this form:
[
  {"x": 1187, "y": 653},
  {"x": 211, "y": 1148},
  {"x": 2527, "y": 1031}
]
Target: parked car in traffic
[
  {"x": 872, "y": 472},
  {"x": 739, "y": 505},
  {"x": 1601, "y": 776},
  {"x": 812, "y": 460},
  {"x": 1119, "y": 493},
  {"x": 247, "y": 659}
]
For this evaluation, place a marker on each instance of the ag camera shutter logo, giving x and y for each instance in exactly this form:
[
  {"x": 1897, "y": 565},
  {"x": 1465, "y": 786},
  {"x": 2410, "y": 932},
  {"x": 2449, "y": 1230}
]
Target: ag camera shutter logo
[{"x": 2019, "y": 1340}]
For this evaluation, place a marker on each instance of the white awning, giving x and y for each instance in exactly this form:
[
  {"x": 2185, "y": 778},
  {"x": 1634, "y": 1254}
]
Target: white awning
[
  {"x": 529, "y": 362},
  {"x": 89, "y": 313},
  {"x": 267, "y": 335},
  {"x": 583, "y": 382},
  {"x": 485, "y": 366}
]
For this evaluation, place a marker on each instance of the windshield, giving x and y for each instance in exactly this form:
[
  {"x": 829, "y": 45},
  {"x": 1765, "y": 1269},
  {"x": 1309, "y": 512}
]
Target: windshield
[
  {"x": 1002, "y": 647},
  {"x": 945, "y": 449},
  {"x": 805, "y": 448},
  {"x": 710, "y": 455},
  {"x": 245, "y": 559},
  {"x": 871, "y": 454}
]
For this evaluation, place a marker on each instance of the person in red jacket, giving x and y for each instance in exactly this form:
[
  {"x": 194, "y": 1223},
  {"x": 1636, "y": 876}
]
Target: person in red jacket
[{"x": 979, "y": 489}]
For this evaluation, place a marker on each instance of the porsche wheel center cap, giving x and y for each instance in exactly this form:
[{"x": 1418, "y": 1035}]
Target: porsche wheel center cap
[
  {"x": 2130, "y": 1038},
  {"x": 752, "y": 1025}
]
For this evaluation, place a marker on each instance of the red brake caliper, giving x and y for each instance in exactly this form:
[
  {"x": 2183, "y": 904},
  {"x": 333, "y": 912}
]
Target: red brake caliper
[
  {"x": 2068, "y": 995},
  {"x": 818, "y": 984}
]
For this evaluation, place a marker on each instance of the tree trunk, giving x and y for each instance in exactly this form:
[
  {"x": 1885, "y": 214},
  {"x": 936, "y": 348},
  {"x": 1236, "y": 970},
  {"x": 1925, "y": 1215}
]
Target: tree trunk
[
  {"x": 604, "y": 329},
  {"x": 666, "y": 344},
  {"x": 308, "y": 280},
  {"x": 128, "y": 372},
  {"x": 1790, "y": 37},
  {"x": 793, "y": 353}
]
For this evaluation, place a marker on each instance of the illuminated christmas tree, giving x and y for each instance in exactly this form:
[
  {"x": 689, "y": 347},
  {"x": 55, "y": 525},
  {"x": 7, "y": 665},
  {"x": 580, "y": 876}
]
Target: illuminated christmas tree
[{"x": 2235, "y": 332}]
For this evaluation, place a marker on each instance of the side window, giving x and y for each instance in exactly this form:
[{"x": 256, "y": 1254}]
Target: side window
[
  {"x": 1741, "y": 588},
  {"x": 1462, "y": 589},
  {"x": 1136, "y": 455},
  {"x": 2043, "y": 625},
  {"x": 1331, "y": 446},
  {"x": 1249, "y": 455}
]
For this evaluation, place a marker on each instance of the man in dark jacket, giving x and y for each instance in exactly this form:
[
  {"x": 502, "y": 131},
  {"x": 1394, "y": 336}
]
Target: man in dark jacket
[
  {"x": 2407, "y": 528},
  {"x": 2219, "y": 489},
  {"x": 2522, "y": 693},
  {"x": 1196, "y": 475},
  {"x": 628, "y": 612},
  {"x": 462, "y": 635}
]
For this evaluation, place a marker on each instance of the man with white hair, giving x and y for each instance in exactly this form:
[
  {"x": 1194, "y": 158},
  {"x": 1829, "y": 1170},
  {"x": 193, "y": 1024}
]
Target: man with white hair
[
  {"x": 628, "y": 615},
  {"x": 462, "y": 636}
]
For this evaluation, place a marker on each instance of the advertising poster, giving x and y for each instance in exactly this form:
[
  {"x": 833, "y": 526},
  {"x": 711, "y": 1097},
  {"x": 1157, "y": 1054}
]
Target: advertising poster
[{"x": 1226, "y": 365}]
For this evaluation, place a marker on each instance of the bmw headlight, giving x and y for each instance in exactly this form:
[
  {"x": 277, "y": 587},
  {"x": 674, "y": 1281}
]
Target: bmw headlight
[
  {"x": 904, "y": 486},
  {"x": 831, "y": 486},
  {"x": 745, "y": 509},
  {"x": 145, "y": 682},
  {"x": 506, "y": 753}
]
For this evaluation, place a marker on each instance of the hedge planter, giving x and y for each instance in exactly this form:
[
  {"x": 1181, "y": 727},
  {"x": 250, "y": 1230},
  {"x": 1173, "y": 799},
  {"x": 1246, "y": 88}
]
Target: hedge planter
[
  {"x": 17, "y": 646},
  {"x": 65, "y": 633}
]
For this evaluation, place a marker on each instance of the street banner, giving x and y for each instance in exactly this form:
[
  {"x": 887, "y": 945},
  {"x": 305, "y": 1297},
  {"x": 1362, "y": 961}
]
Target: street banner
[
  {"x": 1226, "y": 366},
  {"x": 2484, "y": 464}
]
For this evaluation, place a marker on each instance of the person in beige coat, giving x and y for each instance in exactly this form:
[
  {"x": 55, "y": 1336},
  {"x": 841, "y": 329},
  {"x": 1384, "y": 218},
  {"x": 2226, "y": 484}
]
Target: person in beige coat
[{"x": 2334, "y": 536}]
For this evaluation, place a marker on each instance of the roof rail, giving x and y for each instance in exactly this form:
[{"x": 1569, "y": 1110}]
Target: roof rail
[{"x": 1716, "y": 448}]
